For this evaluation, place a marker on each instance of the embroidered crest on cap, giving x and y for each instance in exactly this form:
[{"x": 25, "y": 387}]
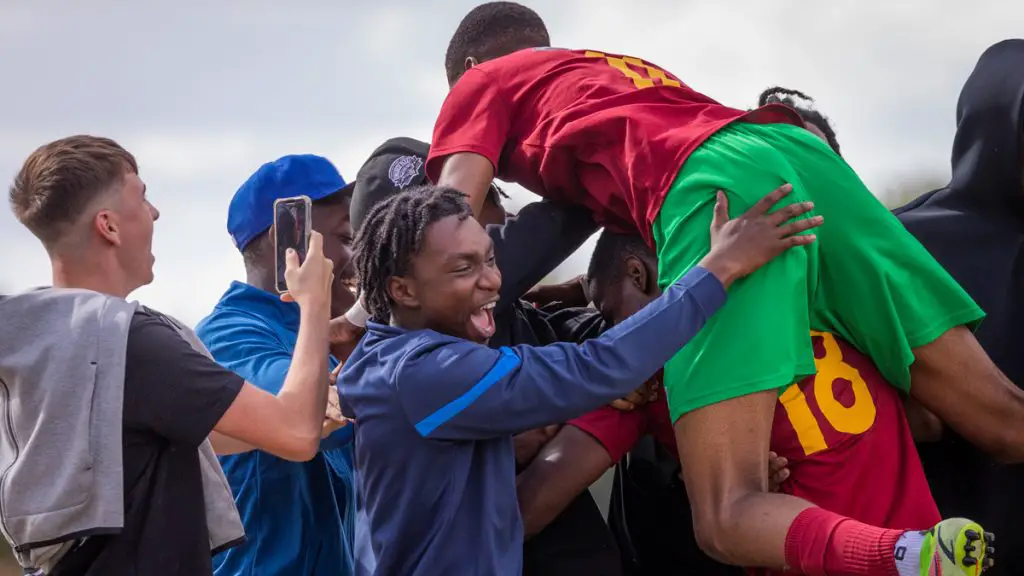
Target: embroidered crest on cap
[{"x": 404, "y": 169}]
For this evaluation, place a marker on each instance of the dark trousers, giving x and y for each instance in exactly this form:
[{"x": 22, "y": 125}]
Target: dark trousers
[
  {"x": 651, "y": 518},
  {"x": 578, "y": 542}
]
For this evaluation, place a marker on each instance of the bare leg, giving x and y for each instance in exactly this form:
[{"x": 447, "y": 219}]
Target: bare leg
[
  {"x": 724, "y": 452},
  {"x": 955, "y": 379}
]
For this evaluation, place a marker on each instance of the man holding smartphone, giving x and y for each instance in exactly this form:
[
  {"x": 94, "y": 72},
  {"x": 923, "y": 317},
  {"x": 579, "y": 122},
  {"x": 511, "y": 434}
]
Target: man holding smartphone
[
  {"x": 298, "y": 517},
  {"x": 108, "y": 407}
]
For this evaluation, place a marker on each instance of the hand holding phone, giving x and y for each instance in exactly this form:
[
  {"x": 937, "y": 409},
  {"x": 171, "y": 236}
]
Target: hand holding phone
[
  {"x": 292, "y": 226},
  {"x": 310, "y": 284}
]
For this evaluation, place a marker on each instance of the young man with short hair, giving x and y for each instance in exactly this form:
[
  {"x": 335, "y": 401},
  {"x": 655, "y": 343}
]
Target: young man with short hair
[
  {"x": 109, "y": 404},
  {"x": 647, "y": 154},
  {"x": 431, "y": 400},
  {"x": 253, "y": 333}
]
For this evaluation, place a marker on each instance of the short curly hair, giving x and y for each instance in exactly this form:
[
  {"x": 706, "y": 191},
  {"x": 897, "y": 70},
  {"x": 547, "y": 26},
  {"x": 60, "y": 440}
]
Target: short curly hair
[{"x": 493, "y": 30}]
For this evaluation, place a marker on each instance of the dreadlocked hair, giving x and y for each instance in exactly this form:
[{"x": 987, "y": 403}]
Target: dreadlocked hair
[
  {"x": 492, "y": 30},
  {"x": 805, "y": 107},
  {"x": 392, "y": 235},
  {"x": 495, "y": 194}
]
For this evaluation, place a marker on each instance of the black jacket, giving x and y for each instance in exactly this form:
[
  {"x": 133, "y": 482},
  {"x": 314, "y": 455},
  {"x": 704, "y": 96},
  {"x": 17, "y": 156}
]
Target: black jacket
[
  {"x": 526, "y": 249},
  {"x": 974, "y": 227}
]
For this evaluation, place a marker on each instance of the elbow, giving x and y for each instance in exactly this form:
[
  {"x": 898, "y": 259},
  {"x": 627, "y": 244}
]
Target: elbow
[
  {"x": 717, "y": 531},
  {"x": 299, "y": 448},
  {"x": 712, "y": 539},
  {"x": 1001, "y": 437}
]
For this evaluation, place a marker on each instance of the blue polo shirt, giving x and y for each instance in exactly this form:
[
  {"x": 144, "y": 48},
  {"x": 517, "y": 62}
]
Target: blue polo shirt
[{"x": 298, "y": 516}]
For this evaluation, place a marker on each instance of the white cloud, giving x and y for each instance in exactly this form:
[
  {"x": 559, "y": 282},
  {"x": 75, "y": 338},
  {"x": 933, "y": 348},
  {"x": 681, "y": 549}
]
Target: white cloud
[{"x": 203, "y": 98}]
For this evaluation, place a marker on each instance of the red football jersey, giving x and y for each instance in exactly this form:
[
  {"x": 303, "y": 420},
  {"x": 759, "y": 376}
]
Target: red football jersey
[
  {"x": 605, "y": 131},
  {"x": 849, "y": 446}
]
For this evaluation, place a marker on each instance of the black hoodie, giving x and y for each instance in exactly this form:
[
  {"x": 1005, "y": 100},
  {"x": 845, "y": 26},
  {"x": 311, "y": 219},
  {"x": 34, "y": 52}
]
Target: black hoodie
[{"x": 974, "y": 227}]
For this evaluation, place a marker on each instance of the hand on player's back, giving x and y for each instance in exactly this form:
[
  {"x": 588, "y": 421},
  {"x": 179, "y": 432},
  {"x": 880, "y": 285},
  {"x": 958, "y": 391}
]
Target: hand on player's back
[{"x": 743, "y": 244}]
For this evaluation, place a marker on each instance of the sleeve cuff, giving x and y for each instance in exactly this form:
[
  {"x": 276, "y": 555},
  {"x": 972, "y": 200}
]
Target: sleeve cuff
[
  {"x": 436, "y": 159},
  {"x": 357, "y": 314},
  {"x": 706, "y": 288}
]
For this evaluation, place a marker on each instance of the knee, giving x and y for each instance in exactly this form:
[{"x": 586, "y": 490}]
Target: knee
[{"x": 714, "y": 532}]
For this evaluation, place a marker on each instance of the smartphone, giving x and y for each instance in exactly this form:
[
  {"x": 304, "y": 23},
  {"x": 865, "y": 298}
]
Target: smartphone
[{"x": 292, "y": 224}]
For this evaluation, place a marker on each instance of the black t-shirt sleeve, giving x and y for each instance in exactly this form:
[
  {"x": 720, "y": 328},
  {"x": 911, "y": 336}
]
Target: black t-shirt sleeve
[
  {"x": 534, "y": 242},
  {"x": 577, "y": 324},
  {"x": 171, "y": 389}
]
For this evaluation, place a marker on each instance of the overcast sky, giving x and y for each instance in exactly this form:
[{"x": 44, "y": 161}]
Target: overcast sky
[{"x": 203, "y": 93}]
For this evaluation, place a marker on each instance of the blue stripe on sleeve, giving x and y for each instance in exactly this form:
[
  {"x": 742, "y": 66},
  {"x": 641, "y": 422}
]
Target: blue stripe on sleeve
[{"x": 508, "y": 361}]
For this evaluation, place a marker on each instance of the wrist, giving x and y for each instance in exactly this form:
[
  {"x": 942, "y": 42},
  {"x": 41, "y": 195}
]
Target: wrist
[
  {"x": 315, "y": 309},
  {"x": 723, "y": 271},
  {"x": 357, "y": 314}
]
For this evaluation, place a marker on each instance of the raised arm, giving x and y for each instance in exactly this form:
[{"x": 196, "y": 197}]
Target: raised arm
[
  {"x": 462, "y": 391},
  {"x": 469, "y": 134},
  {"x": 469, "y": 173},
  {"x": 289, "y": 424},
  {"x": 458, "y": 390},
  {"x": 184, "y": 396}
]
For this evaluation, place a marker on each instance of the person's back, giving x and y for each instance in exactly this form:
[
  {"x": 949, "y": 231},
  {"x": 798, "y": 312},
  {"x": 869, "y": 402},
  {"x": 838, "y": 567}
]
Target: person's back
[
  {"x": 159, "y": 483},
  {"x": 311, "y": 531},
  {"x": 603, "y": 130}
]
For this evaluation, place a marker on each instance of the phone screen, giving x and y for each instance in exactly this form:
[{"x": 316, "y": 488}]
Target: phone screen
[{"x": 291, "y": 230}]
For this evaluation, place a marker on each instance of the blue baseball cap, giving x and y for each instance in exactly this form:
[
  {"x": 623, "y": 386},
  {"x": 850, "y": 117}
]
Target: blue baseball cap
[{"x": 251, "y": 212}]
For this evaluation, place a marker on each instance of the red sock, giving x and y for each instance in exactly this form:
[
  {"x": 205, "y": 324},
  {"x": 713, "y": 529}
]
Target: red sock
[{"x": 821, "y": 543}]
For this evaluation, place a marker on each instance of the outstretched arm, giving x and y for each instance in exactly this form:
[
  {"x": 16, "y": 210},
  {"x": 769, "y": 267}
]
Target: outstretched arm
[
  {"x": 461, "y": 391},
  {"x": 458, "y": 390}
]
